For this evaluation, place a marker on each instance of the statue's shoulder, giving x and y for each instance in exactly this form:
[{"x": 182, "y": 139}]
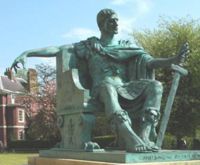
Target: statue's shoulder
[
  {"x": 84, "y": 47},
  {"x": 89, "y": 40},
  {"x": 93, "y": 39}
]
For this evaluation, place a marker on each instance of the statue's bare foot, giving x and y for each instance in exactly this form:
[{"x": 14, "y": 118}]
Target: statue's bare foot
[
  {"x": 152, "y": 146},
  {"x": 141, "y": 148}
]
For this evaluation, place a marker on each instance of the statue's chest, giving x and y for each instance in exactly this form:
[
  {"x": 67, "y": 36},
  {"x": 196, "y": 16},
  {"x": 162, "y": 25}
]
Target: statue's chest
[{"x": 106, "y": 66}]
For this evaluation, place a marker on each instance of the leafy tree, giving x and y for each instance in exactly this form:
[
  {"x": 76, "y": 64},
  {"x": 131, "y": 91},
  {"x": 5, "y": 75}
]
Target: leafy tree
[
  {"x": 165, "y": 41},
  {"x": 43, "y": 125}
]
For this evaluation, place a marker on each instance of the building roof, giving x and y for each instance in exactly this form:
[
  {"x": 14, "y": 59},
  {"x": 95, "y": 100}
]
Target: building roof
[{"x": 12, "y": 86}]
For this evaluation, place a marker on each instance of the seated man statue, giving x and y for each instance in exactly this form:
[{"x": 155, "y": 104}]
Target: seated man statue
[{"x": 122, "y": 81}]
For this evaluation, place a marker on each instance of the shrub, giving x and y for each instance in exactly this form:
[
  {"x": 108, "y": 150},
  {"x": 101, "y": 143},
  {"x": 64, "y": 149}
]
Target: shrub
[
  {"x": 27, "y": 144},
  {"x": 169, "y": 142}
]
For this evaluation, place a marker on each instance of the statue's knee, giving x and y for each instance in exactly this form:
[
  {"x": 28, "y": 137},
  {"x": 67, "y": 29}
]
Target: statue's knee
[{"x": 151, "y": 115}]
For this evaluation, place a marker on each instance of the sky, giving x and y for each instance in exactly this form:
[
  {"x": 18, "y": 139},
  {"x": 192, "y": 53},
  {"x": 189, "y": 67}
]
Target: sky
[{"x": 30, "y": 24}]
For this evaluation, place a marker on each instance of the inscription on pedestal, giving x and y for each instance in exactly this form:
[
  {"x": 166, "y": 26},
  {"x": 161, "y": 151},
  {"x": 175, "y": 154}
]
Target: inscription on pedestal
[{"x": 164, "y": 156}]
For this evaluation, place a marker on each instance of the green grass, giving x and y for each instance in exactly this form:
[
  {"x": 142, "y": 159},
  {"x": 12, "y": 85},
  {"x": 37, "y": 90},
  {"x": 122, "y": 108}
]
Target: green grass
[{"x": 15, "y": 158}]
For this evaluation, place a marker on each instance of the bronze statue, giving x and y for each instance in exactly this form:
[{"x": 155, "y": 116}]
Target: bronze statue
[{"x": 122, "y": 82}]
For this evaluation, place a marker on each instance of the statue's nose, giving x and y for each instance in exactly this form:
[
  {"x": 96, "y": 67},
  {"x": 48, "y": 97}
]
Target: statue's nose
[{"x": 115, "y": 23}]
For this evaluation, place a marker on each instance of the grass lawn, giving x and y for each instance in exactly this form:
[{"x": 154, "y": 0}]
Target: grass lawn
[{"x": 15, "y": 158}]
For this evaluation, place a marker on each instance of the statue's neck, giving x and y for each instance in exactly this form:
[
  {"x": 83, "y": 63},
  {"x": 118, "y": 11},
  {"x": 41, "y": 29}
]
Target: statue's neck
[{"x": 107, "y": 40}]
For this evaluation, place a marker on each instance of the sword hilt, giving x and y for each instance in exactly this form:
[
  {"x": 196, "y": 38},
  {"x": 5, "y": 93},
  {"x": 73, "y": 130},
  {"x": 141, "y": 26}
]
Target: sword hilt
[{"x": 179, "y": 69}]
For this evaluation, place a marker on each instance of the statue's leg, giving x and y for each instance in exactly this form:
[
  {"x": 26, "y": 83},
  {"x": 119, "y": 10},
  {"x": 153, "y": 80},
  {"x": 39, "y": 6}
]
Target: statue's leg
[
  {"x": 151, "y": 108},
  {"x": 120, "y": 120}
]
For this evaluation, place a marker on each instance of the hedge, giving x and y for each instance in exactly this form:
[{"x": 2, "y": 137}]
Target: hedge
[{"x": 27, "y": 144}]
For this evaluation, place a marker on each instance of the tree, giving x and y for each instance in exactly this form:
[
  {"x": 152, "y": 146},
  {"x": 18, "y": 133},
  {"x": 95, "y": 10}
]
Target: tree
[
  {"x": 43, "y": 125},
  {"x": 165, "y": 41}
]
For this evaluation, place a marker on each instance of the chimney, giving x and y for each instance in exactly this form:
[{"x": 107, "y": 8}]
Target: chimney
[
  {"x": 9, "y": 73},
  {"x": 32, "y": 85}
]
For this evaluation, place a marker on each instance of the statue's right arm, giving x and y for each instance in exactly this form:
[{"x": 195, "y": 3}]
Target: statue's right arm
[
  {"x": 42, "y": 52},
  {"x": 51, "y": 51}
]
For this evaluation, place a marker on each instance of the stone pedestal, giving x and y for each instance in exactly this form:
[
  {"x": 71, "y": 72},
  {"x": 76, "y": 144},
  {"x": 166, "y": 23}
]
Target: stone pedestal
[
  {"x": 64, "y": 157},
  {"x": 54, "y": 161},
  {"x": 122, "y": 156}
]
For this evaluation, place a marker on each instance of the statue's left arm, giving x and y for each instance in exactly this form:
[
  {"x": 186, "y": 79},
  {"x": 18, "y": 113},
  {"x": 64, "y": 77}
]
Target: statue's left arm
[{"x": 166, "y": 62}]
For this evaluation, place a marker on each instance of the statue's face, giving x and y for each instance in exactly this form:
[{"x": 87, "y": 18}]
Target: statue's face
[{"x": 111, "y": 25}]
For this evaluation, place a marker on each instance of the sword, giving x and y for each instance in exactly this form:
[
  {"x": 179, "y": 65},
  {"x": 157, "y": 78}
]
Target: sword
[{"x": 179, "y": 71}]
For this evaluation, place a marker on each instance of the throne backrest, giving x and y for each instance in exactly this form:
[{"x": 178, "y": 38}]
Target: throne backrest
[{"x": 72, "y": 81}]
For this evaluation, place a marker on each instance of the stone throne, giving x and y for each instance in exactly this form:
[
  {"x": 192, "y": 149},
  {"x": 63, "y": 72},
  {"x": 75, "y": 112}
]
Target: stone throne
[{"x": 75, "y": 115}]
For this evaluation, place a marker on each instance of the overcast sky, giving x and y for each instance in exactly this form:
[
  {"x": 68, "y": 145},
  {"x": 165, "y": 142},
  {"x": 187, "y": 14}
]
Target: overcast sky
[{"x": 29, "y": 24}]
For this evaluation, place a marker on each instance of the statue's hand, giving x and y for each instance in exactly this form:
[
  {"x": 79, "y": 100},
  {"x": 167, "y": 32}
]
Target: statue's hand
[
  {"x": 183, "y": 54},
  {"x": 21, "y": 59}
]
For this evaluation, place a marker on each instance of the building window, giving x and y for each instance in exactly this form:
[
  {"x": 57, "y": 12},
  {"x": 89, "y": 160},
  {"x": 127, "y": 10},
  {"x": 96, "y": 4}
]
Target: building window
[
  {"x": 21, "y": 135},
  {"x": 21, "y": 115},
  {"x": 12, "y": 98}
]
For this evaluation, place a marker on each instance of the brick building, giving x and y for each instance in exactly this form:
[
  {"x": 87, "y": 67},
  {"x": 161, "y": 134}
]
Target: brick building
[{"x": 12, "y": 114}]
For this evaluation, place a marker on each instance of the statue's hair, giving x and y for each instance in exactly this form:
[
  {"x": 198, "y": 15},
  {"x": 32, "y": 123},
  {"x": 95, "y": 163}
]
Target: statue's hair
[{"x": 103, "y": 15}]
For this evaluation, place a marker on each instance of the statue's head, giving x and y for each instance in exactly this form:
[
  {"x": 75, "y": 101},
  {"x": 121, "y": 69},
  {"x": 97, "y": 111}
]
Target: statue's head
[{"x": 107, "y": 21}]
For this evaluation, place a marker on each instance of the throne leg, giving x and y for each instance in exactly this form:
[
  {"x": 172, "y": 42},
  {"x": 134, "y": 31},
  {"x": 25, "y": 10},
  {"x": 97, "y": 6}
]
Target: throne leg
[{"x": 76, "y": 131}]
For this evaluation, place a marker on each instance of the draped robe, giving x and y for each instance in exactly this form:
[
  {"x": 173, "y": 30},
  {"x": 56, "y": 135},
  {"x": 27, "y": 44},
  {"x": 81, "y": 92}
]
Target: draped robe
[{"x": 122, "y": 66}]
